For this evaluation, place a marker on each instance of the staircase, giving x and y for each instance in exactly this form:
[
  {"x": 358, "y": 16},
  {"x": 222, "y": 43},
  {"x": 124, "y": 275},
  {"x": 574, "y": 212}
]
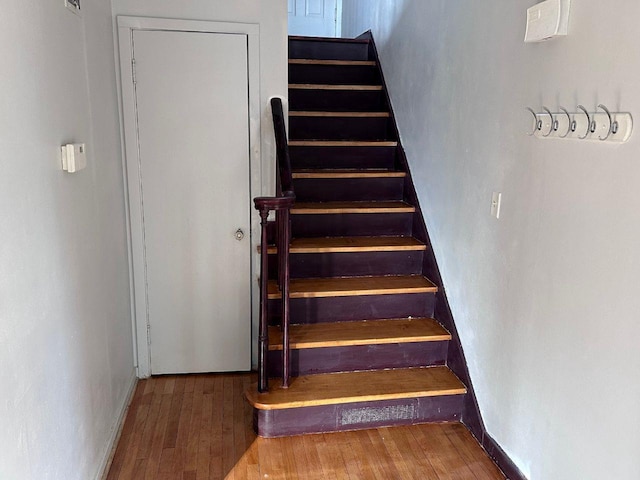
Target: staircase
[{"x": 365, "y": 349}]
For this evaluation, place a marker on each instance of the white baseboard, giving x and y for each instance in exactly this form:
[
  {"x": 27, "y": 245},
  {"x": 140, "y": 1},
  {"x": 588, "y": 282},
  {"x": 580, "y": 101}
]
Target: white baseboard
[{"x": 116, "y": 431}]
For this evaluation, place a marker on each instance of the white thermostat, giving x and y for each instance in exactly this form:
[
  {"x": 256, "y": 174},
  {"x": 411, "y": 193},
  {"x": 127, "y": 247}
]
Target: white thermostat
[
  {"x": 74, "y": 157},
  {"x": 547, "y": 20}
]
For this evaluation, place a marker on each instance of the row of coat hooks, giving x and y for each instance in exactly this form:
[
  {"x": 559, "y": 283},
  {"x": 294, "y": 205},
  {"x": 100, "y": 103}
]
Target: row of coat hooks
[{"x": 601, "y": 125}]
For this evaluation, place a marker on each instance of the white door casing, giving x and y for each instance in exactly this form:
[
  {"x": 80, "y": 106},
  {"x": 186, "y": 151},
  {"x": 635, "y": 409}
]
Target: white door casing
[
  {"x": 315, "y": 18},
  {"x": 185, "y": 259}
]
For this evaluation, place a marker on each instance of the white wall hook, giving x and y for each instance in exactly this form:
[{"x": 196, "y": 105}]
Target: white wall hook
[
  {"x": 536, "y": 122},
  {"x": 601, "y": 126},
  {"x": 565, "y": 119},
  {"x": 584, "y": 110},
  {"x": 610, "y": 130}
]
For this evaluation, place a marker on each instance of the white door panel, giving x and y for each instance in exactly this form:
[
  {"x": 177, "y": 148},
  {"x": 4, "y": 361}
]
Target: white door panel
[
  {"x": 316, "y": 18},
  {"x": 315, "y": 8},
  {"x": 193, "y": 141}
]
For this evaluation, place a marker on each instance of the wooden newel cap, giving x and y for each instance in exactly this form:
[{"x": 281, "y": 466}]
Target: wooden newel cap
[{"x": 275, "y": 203}]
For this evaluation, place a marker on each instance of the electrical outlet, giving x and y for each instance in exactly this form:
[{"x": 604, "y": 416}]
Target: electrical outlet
[{"x": 496, "y": 201}]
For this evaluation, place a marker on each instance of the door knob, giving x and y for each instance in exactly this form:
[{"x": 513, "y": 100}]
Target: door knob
[{"x": 239, "y": 234}]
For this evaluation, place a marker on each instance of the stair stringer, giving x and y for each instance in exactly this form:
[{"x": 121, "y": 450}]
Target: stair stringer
[{"x": 456, "y": 360}]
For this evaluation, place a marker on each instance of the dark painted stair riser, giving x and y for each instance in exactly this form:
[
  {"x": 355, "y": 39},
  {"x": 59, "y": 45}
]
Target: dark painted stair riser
[
  {"x": 340, "y": 128},
  {"x": 342, "y": 157},
  {"x": 334, "y": 74},
  {"x": 313, "y": 265},
  {"x": 357, "y": 416},
  {"x": 352, "y": 224},
  {"x": 337, "y": 100},
  {"x": 328, "y": 50},
  {"x": 363, "y": 307},
  {"x": 362, "y": 357},
  {"x": 348, "y": 189}
]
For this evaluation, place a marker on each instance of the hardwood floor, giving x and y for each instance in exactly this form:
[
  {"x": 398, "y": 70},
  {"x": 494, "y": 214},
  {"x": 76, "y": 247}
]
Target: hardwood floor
[{"x": 193, "y": 427}]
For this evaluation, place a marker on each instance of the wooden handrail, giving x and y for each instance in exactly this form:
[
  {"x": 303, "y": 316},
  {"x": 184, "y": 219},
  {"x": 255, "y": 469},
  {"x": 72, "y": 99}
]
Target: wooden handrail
[
  {"x": 284, "y": 180},
  {"x": 281, "y": 204}
]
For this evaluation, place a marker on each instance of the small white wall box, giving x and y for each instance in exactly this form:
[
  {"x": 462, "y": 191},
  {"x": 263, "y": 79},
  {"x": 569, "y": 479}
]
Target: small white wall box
[
  {"x": 74, "y": 157},
  {"x": 547, "y": 20}
]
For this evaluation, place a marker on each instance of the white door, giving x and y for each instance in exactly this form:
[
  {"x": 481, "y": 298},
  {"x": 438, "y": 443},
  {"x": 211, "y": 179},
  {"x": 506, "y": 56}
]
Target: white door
[
  {"x": 191, "y": 94},
  {"x": 313, "y": 18}
]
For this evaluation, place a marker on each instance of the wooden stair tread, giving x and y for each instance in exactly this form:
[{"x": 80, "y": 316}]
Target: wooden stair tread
[
  {"x": 371, "y": 332},
  {"x": 311, "y": 61},
  {"x": 353, "y": 286},
  {"x": 319, "y": 208},
  {"x": 331, "y": 86},
  {"x": 348, "y": 174},
  {"x": 350, "y": 387},
  {"x": 352, "y": 245},
  {"x": 307, "y": 113},
  {"x": 328, "y": 39},
  {"x": 341, "y": 143}
]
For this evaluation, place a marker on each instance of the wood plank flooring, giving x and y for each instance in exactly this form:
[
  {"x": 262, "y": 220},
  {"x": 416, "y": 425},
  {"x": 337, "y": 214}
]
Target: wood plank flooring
[{"x": 199, "y": 427}]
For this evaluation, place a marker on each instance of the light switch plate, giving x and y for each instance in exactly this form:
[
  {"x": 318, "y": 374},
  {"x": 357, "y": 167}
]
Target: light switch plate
[
  {"x": 74, "y": 157},
  {"x": 496, "y": 203}
]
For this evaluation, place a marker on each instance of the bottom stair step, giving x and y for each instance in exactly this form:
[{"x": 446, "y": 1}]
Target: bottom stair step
[
  {"x": 358, "y": 400},
  {"x": 349, "y": 387}
]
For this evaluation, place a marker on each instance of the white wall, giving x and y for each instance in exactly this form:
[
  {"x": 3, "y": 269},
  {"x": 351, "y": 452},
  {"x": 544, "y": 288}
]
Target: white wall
[
  {"x": 546, "y": 299},
  {"x": 65, "y": 323}
]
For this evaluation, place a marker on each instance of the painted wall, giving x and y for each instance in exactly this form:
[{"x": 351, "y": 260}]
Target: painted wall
[
  {"x": 65, "y": 321},
  {"x": 546, "y": 298}
]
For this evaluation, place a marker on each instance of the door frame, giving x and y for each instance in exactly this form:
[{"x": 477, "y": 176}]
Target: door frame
[{"x": 131, "y": 161}]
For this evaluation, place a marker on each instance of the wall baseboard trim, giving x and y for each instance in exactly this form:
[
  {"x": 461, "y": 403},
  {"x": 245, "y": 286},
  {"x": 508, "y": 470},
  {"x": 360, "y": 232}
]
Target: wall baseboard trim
[
  {"x": 499, "y": 456},
  {"x": 116, "y": 432},
  {"x": 471, "y": 416}
]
